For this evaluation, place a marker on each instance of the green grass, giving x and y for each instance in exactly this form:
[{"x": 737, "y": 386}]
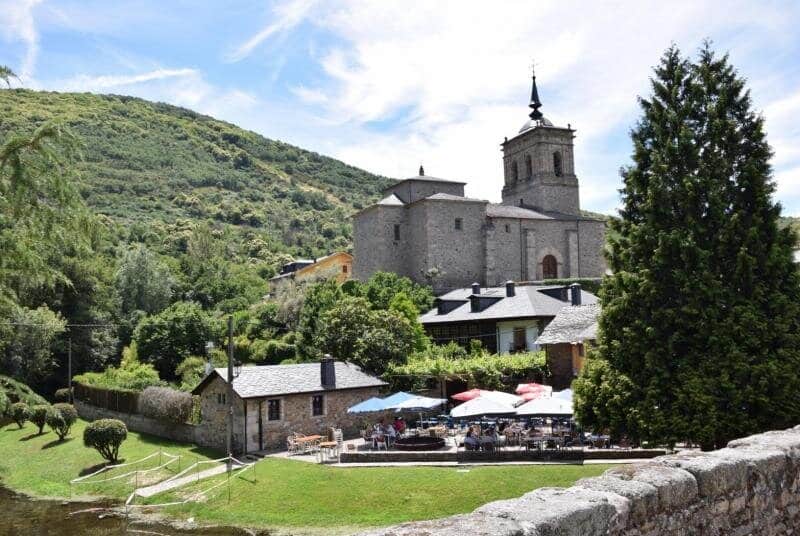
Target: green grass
[{"x": 286, "y": 493}]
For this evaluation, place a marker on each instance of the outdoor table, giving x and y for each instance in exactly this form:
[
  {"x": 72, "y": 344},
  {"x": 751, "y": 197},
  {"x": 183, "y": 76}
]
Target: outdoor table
[{"x": 309, "y": 442}]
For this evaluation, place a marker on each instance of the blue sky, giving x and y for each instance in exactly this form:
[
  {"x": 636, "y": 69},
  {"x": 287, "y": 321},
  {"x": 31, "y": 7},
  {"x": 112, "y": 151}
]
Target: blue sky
[{"x": 387, "y": 85}]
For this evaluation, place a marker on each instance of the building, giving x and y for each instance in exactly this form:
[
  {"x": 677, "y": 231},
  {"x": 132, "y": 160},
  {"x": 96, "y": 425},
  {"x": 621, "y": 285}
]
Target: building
[
  {"x": 337, "y": 266},
  {"x": 271, "y": 402},
  {"x": 565, "y": 339},
  {"x": 425, "y": 228},
  {"x": 505, "y": 319}
]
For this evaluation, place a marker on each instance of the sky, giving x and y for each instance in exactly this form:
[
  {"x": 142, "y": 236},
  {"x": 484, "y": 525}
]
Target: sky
[{"x": 388, "y": 85}]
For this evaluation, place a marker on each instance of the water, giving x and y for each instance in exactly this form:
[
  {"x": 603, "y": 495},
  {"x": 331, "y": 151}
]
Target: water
[{"x": 21, "y": 516}]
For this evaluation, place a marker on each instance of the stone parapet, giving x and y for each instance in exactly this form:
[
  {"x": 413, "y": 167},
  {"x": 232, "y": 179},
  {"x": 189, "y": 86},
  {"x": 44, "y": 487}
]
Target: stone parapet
[{"x": 750, "y": 487}]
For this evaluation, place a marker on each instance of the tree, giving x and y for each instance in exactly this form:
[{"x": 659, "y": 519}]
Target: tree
[
  {"x": 38, "y": 416},
  {"x": 701, "y": 317},
  {"x": 60, "y": 419},
  {"x": 343, "y": 326},
  {"x": 105, "y": 436},
  {"x": 143, "y": 282},
  {"x": 319, "y": 298},
  {"x": 6, "y": 74},
  {"x": 402, "y": 305},
  {"x": 169, "y": 337},
  {"x": 27, "y": 353},
  {"x": 382, "y": 287},
  {"x": 20, "y": 412}
]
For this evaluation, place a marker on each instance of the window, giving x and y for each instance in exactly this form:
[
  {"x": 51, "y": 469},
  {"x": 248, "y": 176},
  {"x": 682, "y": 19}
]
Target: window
[
  {"x": 557, "y": 167},
  {"x": 521, "y": 202},
  {"x": 317, "y": 405},
  {"x": 514, "y": 171},
  {"x": 459, "y": 224},
  {"x": 274, "y": 410},
  {"x": 528, "y": 167},
  {"x": 549, "y": 267},
  {"x": 508, "y": 228},
  {"x": 344, "y": 268},
  {"x": 397, "y": 231},
  {"x": 221, "y": 399}
]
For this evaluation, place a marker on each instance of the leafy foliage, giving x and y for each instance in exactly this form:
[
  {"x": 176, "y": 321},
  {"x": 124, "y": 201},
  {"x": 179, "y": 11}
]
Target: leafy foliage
[
  {"x": 166, "y": 404},
  {"x": 5, "y": 404},
  {"x": 700, "y": 321},
  {"x": 144, "y": 282},
  {"x": 60, "y": 419},
  {"x": 105, "y": 436},
  {"x": 20, "y": 412},
  {"x": 130, "y": 375},
  {"x": 27, "y": 350},
  {"x": 16, "y": 391},
  {"x": 38, "y": 415}
]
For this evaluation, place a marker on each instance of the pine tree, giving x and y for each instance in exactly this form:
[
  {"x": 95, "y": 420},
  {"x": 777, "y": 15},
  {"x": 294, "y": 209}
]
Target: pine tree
[{"x": 701, "y": 316}]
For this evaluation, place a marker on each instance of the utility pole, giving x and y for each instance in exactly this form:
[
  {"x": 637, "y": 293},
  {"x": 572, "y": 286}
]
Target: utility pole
[{"x": 230, "y": 392}]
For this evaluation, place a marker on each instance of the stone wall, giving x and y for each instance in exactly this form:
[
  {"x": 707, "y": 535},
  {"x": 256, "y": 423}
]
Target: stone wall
[
  {"x": 559, "y": 362},
  {"x": 750, "y": 487},
  {"x": 139, "y": 423}
]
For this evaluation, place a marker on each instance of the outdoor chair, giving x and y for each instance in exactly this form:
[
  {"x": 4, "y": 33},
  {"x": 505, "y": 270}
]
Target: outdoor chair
[{"x": 339, "y": 438}]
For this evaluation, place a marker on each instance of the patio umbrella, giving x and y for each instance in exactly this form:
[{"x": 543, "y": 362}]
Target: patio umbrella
[
  {"x": 467, "y": 395},
  {"x": 566, "y": 394},
  {"x": 504, "y": 398},
  {"x": 419, "y": 403},
  {"x": 481, "y": 406},
  {"x": 370, "y": 404},
  {"x": 545, "y": 390},
  {"x": 396, "y": 398},
  {"x": 546, "y": 407}
]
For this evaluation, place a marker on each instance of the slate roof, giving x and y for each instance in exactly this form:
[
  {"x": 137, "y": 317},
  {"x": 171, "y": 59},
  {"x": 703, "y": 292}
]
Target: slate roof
[
  {"x": 494, "y": 210},
  {"x": 277, "y": 380},
  {"x": 574, "y": 323},
  {"x": 423, "y": 178},
  {"x": 441, "y": 196},
  {"x": 391, "y": 200},
  {"x": 528, "y": 301}
]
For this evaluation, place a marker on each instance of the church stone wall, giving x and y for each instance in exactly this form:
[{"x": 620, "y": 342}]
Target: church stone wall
[
  {"x": 591, "y": 245},
  {"x": 504, "y": 255},
  {"x": 374, "y": 246},
  {"x": 750, "y": 487}
]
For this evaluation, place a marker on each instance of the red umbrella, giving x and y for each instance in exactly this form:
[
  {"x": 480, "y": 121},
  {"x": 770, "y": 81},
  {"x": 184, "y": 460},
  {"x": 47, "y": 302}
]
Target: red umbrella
[
  {"x": 534, "y": 388},
  {"x": 467, "y": 395},
  {"x": 533, "y": 395}
]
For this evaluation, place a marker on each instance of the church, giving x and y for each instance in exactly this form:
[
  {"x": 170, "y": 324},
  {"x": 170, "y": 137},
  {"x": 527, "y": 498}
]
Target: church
[{"x": 426, "y": 229}]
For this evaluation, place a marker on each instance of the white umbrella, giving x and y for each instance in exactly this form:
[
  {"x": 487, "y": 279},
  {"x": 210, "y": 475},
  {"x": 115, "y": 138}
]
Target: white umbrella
[
  {"x": 546, "y": 406},
  {"x": 566, "y": 394},
  {"x": 419, "y": 402},
  {"x": 481, "y": 406},
  {"x": 503, "y": 398}
]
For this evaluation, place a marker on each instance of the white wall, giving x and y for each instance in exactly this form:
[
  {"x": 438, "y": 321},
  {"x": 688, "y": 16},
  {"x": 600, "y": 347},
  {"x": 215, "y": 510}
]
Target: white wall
[{"x": 505, "y": 334}]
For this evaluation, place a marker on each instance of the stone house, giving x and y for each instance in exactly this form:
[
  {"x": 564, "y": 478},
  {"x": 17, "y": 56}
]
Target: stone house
[
  {"x": 338, "y": 266},
  {"x": 565, "y": 340},
  {"x": 426, "y": 229},
  {"x": 270, "y": 402},
  {"x": 505, "y": 319}
]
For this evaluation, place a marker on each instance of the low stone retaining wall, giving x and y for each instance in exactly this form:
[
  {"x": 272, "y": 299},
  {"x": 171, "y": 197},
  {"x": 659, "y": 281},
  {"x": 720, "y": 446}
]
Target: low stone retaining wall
[
  {"x": 463, "y": 456},
  {"x": 185, "y": 433},
  {"x": 750, "y": 487}
]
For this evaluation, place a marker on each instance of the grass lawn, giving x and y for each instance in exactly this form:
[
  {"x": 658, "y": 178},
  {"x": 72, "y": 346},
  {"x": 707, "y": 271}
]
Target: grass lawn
[{"x": 287, "y": 493}]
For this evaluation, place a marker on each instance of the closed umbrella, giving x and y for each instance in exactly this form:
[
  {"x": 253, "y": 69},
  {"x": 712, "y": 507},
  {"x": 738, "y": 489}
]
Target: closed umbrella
[
  {"x": 545, "y": 390},
  {"x": 481, "y": 406},
  {"x": 467, "y": 395},
  {"x": 546, "y": 407}
]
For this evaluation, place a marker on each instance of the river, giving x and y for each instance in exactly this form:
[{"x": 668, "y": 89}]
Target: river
[{"x": 22, "y": 516}]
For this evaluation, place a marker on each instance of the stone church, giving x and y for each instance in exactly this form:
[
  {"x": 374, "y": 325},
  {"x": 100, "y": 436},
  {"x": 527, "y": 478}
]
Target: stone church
[{"x": 426, "y": 229}]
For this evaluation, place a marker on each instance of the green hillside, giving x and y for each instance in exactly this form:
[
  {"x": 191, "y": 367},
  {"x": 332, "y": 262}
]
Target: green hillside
[{"x": 156, "y": 170}]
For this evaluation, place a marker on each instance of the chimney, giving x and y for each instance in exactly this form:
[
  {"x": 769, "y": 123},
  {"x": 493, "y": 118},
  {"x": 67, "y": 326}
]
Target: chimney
[
  {"x": 575, "y": 293},
  {"x": 328, "y": 372},
  {"x": 476, "y": 288},
  {"x": 510, "y": 289}
]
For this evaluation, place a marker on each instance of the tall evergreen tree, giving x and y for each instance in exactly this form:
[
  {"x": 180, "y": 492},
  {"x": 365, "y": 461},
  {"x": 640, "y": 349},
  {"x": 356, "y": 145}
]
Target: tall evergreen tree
[{"x": 701, "y": 317}]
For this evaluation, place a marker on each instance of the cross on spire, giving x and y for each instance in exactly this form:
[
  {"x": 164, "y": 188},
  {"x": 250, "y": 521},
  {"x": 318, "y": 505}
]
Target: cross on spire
[{"x": 535, "y": 103}]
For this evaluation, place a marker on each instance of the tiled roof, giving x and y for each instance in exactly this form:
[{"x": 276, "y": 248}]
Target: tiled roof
[
  {"x": 574, "y": 323},
  {"x": 390, "y": 200},
  {"x": 441, "y": 196},
  {"x": 494, "y": 210},
  {"x": 528, "y": 301},
  {"x": 276, "y": 380}
]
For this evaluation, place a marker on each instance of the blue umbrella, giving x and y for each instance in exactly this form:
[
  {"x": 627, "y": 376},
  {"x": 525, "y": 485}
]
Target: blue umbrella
[
  {"x": 396, "y": 398},
  {"x": 371, "y": 404}
]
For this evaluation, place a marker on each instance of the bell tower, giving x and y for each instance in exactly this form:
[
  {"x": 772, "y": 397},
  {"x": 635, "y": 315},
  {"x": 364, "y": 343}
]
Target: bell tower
[{"x": 539, "y": 164}]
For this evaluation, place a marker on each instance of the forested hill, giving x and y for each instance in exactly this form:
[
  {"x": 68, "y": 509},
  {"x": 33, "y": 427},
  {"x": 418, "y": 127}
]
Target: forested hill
[{"x": 157, "y": 170}]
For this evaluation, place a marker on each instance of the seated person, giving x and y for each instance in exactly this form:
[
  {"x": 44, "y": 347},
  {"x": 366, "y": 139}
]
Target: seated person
[
  {"x": 471, "y": 442},
  {"x": 399, "y": 425},
  {"x": 390, "y": 433}
]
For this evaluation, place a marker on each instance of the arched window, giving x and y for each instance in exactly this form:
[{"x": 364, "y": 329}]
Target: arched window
[
  {"x": 557, "y": 167},
  {"x": 528, "y": 167},
  {"x": 549, "y": 267},
  {"x": 514, "y": 171}
]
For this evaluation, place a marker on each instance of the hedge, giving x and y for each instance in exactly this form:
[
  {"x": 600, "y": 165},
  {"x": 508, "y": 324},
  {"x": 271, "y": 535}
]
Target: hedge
[
  {"x": 166, "y": 404},
  {"x": 123, "y": 401}
]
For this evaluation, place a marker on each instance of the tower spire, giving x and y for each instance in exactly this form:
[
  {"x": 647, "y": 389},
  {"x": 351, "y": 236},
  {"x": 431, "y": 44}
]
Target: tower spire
[{"x": 535, "y": 103}]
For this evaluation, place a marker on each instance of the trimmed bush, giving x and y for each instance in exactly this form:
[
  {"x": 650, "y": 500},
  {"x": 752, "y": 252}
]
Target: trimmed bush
[
  {"x": 62, "y": 395},
  {"x": 5, "y": 405},
  {"x": 105, "y": 436},
  {"x": 60, "y": 419},
  {"x": 20, "y": 413},
  {"x": 38, "y": 416},
  {"x": 166, "y": 404}
]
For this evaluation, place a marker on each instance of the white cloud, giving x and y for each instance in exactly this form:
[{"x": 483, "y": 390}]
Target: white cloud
[
  {"x": 286, "y": 16},
  {"x": 103, "y": 82},
  {"x": 310, "y": 96},
  {"x": 17, "y": 23}
]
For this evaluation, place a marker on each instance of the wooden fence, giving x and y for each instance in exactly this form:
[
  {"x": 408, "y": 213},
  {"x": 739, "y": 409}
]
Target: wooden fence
[{"x": 113, "y": 399}]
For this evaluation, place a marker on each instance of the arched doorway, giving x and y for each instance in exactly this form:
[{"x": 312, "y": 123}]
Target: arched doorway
[{"x": 549, "y": 267}]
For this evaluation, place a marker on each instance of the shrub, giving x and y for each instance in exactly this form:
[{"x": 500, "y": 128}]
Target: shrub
[
  {"x": 105, "y": 435},
  {"x": 62, "y": 395},
  {"x": 38, "y": 415},
  {"x": 166, "y": 404},
  {"x": 4, "y": 404},
  {"x": 60, "y": 419},
  {"x": 20, "y": 413},
  {"x": 272, "y": 352}
]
